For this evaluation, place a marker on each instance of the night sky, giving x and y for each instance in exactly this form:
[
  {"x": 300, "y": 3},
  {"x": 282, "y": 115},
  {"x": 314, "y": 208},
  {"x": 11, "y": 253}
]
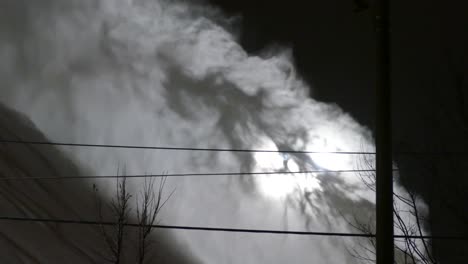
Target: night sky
[
  {"x": 334, "y": 49},
  {"x": 135, "y": 73}
]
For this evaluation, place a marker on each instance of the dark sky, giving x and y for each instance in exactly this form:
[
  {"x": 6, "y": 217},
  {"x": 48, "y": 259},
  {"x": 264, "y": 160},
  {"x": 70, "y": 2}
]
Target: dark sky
[
  {"x": 333, "y": 47},
  {"x": 334, "y": 50}
]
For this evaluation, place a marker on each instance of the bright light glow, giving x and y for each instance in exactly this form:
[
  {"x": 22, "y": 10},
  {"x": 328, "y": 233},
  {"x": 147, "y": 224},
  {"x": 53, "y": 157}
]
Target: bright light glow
[
  {"x": 280, "y": 185},
  {"x": 330, "y": 142}
]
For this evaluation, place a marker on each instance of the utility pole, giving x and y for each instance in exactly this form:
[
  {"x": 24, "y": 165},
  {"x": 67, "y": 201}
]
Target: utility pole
[{"x": 384, "y": 177}]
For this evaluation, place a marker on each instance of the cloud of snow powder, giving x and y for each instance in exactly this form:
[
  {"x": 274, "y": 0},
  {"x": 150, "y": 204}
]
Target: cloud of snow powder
[{"x": 171, "y": 73}]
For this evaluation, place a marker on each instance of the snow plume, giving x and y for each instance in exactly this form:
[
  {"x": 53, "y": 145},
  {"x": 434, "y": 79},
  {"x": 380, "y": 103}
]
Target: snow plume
[{"x": 170, "y": 73}]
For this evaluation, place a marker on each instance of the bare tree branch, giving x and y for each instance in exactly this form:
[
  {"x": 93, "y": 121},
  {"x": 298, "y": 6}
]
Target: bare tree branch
[
  {"x": 119, "y": 209},
  {"x": 408, "y": 221},
  {"x": 148, "y": 209}
]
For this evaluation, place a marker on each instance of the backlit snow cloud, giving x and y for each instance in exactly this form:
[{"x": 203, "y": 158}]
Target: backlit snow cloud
[{"x": 169, "y": 73}]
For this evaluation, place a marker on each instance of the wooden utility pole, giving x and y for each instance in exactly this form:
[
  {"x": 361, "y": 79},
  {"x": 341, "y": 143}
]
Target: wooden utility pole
[{"x": 384, "y": 177}]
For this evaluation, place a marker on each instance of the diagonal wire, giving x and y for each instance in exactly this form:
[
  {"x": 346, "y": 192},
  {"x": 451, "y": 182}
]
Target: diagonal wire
[
  {"x": 179, "y": 175},
  {"x": 407, "y": 153},
  {"x": 219, "y": 229},
  {"x": 199, "y": 228},
  {"x": 25, "y": 142}
]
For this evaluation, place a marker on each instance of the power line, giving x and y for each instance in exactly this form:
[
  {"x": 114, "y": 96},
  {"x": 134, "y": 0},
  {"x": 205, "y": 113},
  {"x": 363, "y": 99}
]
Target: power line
[
  {"x": 179, "y": 175},
  {"x": 25, "y": 142},
  {"x": 219, "y": 229},
  {"x": 408, "y": 153},
  {"x": 198, "y": 228}
]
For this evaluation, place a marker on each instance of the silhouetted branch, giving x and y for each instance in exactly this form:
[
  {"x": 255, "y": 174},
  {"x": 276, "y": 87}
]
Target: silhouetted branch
[
  {"x": 147, "y": 211},
  {"x": 407, "y": 221},
  {"x": 119, "y": 208},
  {"x": 149, "y": 203}
]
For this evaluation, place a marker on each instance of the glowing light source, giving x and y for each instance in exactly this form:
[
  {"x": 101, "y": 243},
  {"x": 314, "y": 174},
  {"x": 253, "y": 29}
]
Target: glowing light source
[
  {"x": 330, "y": 141},
  {"x": 280, "y": 185}
]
